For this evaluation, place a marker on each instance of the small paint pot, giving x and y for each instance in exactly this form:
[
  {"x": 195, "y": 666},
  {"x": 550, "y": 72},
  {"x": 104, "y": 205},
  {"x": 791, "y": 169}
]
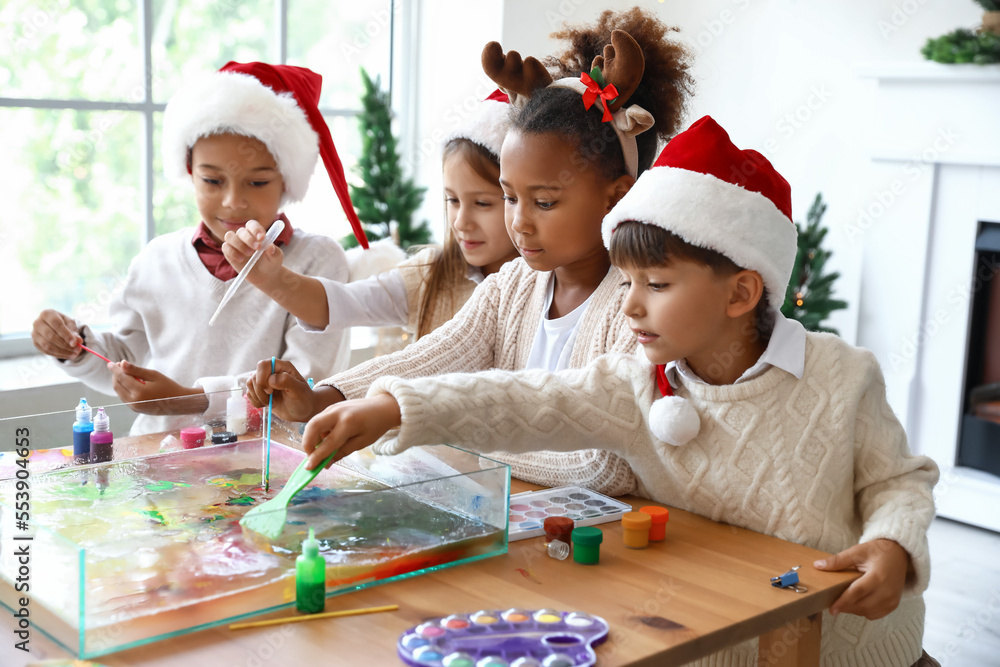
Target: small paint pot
[
  {"x": 455, "y": 622},
  {"x": 587, "y": 545},
  {"x": 558, "y": 528},
  {"x": 458, "y": 659},
  {"x": 516, "y": 615},
  {"x": 660, "y": 516},
  {"x": 547, "y": 616},
  {"x": 484, "y": 618},
  {"x": 223, "y": 438},
  {"x": 192, "y": 438},
  {"x": 635, "y": 529}
]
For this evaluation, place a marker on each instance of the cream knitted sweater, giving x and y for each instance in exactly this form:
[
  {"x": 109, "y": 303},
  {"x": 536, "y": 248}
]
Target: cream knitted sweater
[
  {"x": 820, "y": 461},
  {"x": 495, "y": 330}
]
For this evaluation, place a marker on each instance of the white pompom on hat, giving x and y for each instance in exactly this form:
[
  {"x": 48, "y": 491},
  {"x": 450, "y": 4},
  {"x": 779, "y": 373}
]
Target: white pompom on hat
[
  {"x": 672, "y": 419},
  {"x": 711, "y": 194},
  {"x": 275, "y": 104},
  {"x": 486, "y": 125}
]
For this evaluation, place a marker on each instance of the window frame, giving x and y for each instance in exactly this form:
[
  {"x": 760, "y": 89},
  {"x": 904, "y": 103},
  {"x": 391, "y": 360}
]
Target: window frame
[{"x": 17, "y": 345}]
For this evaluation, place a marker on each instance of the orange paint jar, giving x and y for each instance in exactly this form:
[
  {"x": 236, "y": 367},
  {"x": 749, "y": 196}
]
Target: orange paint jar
[
  {"x": 660, "y": 516},
  {"x": 635, "y": 529}
]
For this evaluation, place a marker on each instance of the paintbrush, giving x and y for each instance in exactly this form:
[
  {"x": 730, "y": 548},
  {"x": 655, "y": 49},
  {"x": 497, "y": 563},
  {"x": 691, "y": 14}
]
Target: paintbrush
[
  {"x": 101, "y": 356},
  {"x": 268, "y": 518}
]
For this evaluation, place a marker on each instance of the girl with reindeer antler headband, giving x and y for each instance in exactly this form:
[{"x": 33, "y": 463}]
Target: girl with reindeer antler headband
[{"x": 575, "y": 146}]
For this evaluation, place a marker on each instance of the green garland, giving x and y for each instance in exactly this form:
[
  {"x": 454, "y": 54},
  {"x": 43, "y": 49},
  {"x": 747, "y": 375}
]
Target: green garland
[{"x": 964, "y": 46}]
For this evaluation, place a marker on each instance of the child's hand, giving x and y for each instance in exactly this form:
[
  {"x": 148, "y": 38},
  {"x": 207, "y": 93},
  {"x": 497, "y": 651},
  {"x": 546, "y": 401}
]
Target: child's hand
[
  {"x": 240, "y": 245},
  {"x": 294, "y": 399},
  {"x": 55, "y": 334},
  {"x": 876, "y": 593},
  {"x": 349, "y": 426},
  {"x": 158, "y": 387}
]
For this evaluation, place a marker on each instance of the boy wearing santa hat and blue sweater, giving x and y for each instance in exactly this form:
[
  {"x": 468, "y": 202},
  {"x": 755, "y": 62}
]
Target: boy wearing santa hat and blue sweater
[
  {"x": 733, "y": 412},
  {"x": 248, "y": 138}
]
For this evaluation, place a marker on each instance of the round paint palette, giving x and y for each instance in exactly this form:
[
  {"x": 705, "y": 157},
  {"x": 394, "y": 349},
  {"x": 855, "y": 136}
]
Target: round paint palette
[
  {"x": 529, "y": 510},
  {"x": 511, "y": 638}
]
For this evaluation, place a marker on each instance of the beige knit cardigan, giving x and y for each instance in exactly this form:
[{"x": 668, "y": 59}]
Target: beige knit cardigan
[{"x": 496, "y": 329}]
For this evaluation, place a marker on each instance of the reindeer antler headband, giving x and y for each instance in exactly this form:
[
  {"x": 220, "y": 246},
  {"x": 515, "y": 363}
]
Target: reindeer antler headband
[{"x": 611, "y": 81}]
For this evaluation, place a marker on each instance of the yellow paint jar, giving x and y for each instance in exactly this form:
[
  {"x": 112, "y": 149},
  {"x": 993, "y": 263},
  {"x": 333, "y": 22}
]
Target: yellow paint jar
[{"x": 635, "y": 529}]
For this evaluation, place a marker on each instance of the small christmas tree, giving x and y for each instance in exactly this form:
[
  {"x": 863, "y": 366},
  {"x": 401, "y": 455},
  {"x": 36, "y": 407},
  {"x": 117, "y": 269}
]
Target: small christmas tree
[
  {"x": 386, "y": 201},
  {"x": 808, "y": 298}
]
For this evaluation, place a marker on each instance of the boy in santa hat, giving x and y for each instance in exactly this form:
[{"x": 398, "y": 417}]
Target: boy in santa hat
[
  {"x": 735, "y": 413},
  {"x": 247, "y": 137}
]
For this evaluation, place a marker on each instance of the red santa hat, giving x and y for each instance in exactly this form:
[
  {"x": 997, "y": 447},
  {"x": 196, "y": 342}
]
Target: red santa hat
[
  {"x": 275, "y": 104},
  {"x": 713, "y": 195},
  {"x": 487, "y": 125}
]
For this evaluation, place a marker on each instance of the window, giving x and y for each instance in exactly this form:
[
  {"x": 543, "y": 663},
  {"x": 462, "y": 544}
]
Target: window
[{"x": 84, "y": 85}]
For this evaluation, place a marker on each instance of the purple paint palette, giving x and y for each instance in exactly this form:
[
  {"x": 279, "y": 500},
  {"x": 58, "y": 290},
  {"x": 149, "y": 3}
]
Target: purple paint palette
[
  {"x": 529, "y": 510},
  {"x": 512, "y": 638}
]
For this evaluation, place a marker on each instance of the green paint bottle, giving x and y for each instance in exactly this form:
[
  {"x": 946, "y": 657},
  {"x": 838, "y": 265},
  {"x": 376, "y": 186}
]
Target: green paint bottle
[{"x": 310, "y": 577}]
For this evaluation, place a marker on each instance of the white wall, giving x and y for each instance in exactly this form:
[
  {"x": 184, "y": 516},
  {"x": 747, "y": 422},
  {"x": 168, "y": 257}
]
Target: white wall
[
  {"x": 780, "y": 75},
  {"x": 442, "y": 66}
]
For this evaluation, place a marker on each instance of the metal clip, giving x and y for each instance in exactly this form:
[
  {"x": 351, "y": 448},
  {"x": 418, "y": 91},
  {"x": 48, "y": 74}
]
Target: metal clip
[{"x": 789, "y": 580}]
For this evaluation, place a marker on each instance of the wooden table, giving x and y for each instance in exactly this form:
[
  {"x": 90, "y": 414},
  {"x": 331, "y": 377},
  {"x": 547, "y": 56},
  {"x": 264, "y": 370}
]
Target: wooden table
[{"x": 703, "y": 588}]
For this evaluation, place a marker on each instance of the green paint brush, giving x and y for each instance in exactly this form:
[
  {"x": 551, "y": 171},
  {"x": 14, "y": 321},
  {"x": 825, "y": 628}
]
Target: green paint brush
[{"x": 268, "y": 518}]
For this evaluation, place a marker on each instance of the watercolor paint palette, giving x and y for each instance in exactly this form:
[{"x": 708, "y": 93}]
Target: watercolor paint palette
[
  {"x": 529, "y": 510},
  {"x": 512, "y": 638}
]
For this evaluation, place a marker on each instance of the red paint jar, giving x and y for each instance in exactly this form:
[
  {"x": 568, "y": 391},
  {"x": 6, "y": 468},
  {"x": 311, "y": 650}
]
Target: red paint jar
[{"x": 558, "y": 528}]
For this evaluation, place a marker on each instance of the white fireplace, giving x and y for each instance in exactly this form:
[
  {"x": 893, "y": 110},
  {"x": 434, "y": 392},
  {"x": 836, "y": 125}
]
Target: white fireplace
[{"x": 936, "y": 147}]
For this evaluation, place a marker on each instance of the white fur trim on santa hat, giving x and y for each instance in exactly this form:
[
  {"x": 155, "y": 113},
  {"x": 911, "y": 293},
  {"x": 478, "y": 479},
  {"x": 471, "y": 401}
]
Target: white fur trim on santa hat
[
  {"x": 382, "y": 255},
  {"x": 673, "y": 420},
  {"x": 240, "y": 104},
  {"x": 705, "y": 211},
  {"x": 485, "y": 126}
]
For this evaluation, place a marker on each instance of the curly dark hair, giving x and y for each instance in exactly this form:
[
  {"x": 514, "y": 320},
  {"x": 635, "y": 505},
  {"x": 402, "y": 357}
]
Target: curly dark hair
[{"x": 663, "y": 91}]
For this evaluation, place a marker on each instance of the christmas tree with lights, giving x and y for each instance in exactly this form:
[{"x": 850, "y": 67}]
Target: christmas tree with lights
[{"x": 809, "y": 297}]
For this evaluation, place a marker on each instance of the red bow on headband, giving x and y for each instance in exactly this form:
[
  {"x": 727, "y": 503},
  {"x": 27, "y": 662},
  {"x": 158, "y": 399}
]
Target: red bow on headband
[{"x": 607, "y": 95}]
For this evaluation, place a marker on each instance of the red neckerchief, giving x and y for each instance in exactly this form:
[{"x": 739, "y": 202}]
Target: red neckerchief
[
  {"x": 661, "y": 380},
  {"x": 210, "y": 251}
]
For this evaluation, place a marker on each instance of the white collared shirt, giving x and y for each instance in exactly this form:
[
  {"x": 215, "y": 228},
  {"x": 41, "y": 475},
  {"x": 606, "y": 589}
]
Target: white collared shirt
[{"x": 786, "y": 350}]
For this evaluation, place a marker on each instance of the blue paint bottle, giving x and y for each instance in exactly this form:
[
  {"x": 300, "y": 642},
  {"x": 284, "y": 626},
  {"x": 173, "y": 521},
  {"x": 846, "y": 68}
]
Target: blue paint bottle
[{"x": 82, "y": 428}]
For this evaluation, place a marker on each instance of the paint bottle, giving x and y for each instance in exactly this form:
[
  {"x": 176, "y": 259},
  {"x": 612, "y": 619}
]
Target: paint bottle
[
  {"x": 558, "y": 529},
  {"x": 82, "y": 428},
  {"x": 660, "y": 516},
  {"x": 310, "y": 577},
  {"x": 236, "y": 412},
  {"x": 192, "y": 437},
  {"x": 635, "y": 529},
  {"x": 223, "y": 438},
  {"x": 101, "y": 439},
  {"x": 587, "y": 545}
]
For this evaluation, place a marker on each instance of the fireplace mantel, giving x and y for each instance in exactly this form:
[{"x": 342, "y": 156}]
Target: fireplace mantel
[{"x": 935, "y": 147}]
